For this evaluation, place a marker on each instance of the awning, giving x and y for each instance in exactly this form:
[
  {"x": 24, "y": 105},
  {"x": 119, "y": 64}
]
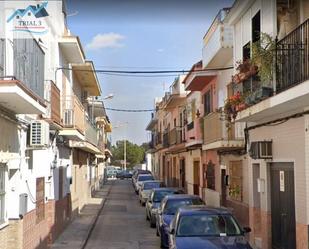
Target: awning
[
  {"x": 72, "y": 49},
  {"x": 85, "y": 146}
]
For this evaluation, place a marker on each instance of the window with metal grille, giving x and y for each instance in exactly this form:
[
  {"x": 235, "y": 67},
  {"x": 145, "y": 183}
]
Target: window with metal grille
[
  {"x": 2, "y": 193},
  {"x": 210, "y": 176}
]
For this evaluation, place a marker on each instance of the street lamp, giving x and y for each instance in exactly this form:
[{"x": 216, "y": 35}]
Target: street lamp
[{"x": 109, "y": 96}]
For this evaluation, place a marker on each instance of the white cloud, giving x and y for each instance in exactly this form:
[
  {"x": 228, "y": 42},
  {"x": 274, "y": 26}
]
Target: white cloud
[
  {"x": 108, "y": 40},
  {"x": 160, "y": 50}
]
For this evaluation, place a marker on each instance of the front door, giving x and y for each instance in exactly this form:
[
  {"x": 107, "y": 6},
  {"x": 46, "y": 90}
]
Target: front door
[
  {"x": 196, "y": 175},
  {"x": 282, "y": 206}
]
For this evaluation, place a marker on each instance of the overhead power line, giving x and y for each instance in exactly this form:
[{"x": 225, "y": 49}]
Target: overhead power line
[
  {"x": 146, "y": 71},
  {"x": 129, "y": 110}
]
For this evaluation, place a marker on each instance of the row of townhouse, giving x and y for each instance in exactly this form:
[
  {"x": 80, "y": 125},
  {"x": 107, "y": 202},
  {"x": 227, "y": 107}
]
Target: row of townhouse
[
  {"x": 223, "y": 133},
  {"x": 54, "y": 131}
]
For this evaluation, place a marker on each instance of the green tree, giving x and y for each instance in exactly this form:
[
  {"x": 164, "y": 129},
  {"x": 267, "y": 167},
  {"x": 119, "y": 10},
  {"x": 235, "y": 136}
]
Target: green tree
[{"x": 135, "y": 153}]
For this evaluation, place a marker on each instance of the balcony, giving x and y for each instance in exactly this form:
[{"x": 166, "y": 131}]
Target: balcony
[
  {"x": 52, "y": 96},
  {"x": 91, "y": 133},
  {"x": 194, "y": 133},
  {"x": 176, "y": 136},
  {"x": 19, "y": 98},
  {"x": 217, "y": 135},
  {"x": 72, "y": 49},
  {"x": 166, "y": 140},
  {"x": 196, "y": 79},
  {"x": 218, "y": 43},
  {"x": 158, "y": 138},
  {"x": 73, "y": 118},
  {"x": 87, "y": 77},
  {"x": 291, "y": 91}
]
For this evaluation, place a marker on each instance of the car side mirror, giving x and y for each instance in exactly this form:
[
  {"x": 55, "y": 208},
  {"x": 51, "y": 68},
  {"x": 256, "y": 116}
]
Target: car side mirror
[{"x": 246, "y": 229}]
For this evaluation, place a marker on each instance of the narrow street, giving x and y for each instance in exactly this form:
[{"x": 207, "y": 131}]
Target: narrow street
[{"x": 122, "y": 223}]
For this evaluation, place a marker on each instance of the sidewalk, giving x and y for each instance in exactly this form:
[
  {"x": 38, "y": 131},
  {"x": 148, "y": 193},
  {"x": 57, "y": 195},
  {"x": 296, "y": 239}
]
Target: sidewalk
[{"x": 77, "y": 233}]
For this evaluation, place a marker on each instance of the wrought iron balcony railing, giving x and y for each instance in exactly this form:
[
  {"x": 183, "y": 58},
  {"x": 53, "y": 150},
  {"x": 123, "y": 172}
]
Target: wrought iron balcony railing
[{"x": 292, "y": 58}]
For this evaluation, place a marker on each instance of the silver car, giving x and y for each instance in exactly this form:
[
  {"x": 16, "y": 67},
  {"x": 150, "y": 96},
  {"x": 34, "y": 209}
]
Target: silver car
[
  {"x": 154, "y": 200},
  {"x": 146, "y": 188},
  {"x": 140, "y": 179}
]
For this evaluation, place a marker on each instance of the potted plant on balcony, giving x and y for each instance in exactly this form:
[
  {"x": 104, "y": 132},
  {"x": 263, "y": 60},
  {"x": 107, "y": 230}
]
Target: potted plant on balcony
[
  {"x": 233, "y": 105},
  {"x": 245, "y": 70},
  {"x": 263, "y": 56}
]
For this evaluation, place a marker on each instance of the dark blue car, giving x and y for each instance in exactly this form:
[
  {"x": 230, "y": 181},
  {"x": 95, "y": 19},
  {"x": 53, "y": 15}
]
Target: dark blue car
[
  {"x": 206, "y": 227},
  {"x": 168, "y": 207}
]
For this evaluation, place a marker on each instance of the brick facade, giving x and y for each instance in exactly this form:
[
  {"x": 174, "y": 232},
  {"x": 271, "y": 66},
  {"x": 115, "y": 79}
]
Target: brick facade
[{"x": 28, "y": 234}]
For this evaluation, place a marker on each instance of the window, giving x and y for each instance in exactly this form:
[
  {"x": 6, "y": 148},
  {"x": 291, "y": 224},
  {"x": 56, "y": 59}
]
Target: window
[
  {"x": 2, "y": 193},
  {"x": 40, "y": 203},
  {"x": 210, "y": 176},
  {"x": 246, "y": 51},
  {"x": 235, "y": 184},
  {"x": 207, "y": 102},
  {"x": 256, "y": 27}
]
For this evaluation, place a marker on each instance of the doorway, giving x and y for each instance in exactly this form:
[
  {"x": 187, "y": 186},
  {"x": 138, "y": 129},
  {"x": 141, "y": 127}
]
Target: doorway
[
  {"x": 196, "y": 177},
  {"x": 282, "y": 206}
]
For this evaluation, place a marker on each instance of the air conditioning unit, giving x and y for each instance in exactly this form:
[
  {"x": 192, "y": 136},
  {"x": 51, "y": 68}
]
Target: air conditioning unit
[
  {"x": 68, "y": 117},
  {"x": 39, "y": 133},
  {"x": 261, "y": 150}
]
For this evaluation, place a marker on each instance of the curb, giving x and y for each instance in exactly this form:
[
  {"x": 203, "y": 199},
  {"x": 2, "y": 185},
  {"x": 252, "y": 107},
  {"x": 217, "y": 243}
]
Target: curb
[{"x": 95, "y": 219}]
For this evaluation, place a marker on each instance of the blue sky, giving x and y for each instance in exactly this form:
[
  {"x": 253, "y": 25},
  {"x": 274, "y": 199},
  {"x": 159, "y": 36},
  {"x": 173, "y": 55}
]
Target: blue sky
[{"x": 140, "y": 35}]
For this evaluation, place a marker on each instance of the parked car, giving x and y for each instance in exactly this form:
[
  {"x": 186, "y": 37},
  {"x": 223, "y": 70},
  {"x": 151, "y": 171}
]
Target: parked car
[
  {"x": 111, "y": 173},
  {"x": 206, "y": 227},
  {"x": 168, "y": 208},
  {"x": 136, "y": 173},
  {"x": 124, "y": 174},
  {"x": 140, "y": 179},
  {"x": 146, "y": 188},
  {"x": 154, "y": 200}
]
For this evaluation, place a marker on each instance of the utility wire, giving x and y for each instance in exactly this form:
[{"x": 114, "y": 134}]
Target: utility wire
[
  {"x": 129, "y": 110},
  {"x": 146, "y": 71}
]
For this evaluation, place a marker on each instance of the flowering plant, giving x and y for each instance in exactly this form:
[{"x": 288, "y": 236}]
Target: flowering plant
[
  {"x": 233, "y": 105},
  {"x": 245, "y": 70}
]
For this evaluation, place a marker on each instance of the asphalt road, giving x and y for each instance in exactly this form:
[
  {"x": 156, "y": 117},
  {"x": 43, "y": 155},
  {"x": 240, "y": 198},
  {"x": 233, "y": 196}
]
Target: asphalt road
[{"x": 122, "y": 223}]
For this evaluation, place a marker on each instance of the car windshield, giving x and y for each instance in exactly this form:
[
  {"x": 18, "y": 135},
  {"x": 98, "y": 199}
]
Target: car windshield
[
  {"x": 145, "y": 178},
  {"x": 151, "y": 185},
  {"x": 208, "y": 225},
  {"x": 159, "y": 195},
  {"x": 172, "y": 205}
]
